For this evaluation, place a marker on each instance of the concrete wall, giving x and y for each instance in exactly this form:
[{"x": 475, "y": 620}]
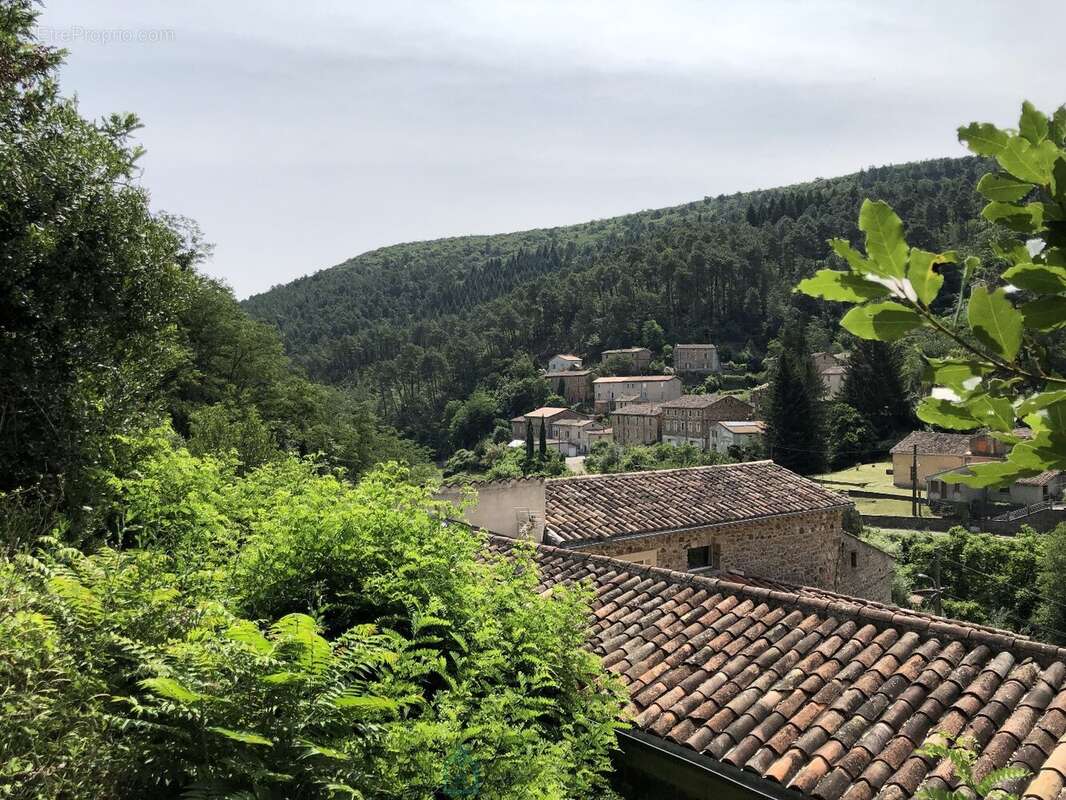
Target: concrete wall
[
  {"x": 558, "y": 364},
  {"x": 928, "y": 465},
  {"x": 504, "y": 507},
  {"x": 801, "y": 548}
]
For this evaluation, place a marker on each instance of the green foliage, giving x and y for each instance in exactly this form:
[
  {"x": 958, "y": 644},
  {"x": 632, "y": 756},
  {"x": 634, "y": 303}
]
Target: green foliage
[
  {"x": 962, "y": 755},
  {"x": 222, "y": 429},
  {"x": 874, "y": 387},
  {"x": 1002, "y": 371},
  {"x": 607, "y": 457},
  {"x": 288, "y": 634},
  {"x": 851, "y": 439},
  {"x": 795, "y": 416}
]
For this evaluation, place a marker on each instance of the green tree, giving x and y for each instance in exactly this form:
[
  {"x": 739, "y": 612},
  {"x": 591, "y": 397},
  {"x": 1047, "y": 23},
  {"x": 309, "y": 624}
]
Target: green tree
[
  {"x": 652, "y": 336},
  {"x": 220, "y": 429},
  {"x": 473, "y": 420},
  {"x": 850, "y": 437},
  {"x": 795, "y": 416},
  {"x": 543, "y": 441},
  {"x": 1052, "y": 581},
  {"x": 875, "y": 388},
  {"x": 92, "y": 281}
]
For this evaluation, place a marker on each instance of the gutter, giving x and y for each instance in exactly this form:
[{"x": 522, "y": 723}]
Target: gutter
[{"x": 714, "y": 771}]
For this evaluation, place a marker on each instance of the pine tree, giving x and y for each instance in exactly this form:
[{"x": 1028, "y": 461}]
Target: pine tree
[
  {"x": 874, "y": 386},
  {"x": 796, "y": 431}
]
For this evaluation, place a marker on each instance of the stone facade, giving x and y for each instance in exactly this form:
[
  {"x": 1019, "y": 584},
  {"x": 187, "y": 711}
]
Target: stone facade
[
  {"x": 575, "y": 384},
  {"x": 692, "y": 419},
  {"x": 696, "y": 359},
  {"x": 809, "y": 549},
  {"x": 636, "y": 424},
  {"x": 638, "y": 358},
  {"x": 637, "y": 389}
]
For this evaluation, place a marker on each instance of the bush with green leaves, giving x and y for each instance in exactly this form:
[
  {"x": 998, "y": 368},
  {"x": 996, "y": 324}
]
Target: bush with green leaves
[
  {"x": 283, "y": 633},
  {"x": 961, "y": 754},
  {"x": 1005, "y": 365}
]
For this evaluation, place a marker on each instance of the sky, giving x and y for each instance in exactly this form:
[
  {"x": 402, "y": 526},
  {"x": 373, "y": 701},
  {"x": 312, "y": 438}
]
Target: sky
[{"x": 301, "y": 134}]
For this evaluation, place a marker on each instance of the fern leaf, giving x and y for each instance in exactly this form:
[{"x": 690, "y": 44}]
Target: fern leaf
[{"x": 247, "y": 737}]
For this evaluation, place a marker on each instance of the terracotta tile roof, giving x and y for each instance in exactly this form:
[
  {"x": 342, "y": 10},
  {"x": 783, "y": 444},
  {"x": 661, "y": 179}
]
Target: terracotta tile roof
[
  {"x": 825, "y": 694},
  {"x": 744, "y": 426},
  {"x": 636, "y": 378},
  {"x": 931, "y": 443},
  {"x": 594, "y": 507},
  {"x": 545, "y": 412},
  {"x": 575, "y": 422},
  {"x": 639, "y": 409},
  {"x": 618, "y": 350}
]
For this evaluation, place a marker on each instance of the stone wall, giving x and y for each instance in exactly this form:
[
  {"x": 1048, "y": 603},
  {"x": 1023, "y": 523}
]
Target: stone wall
[
  {"x": 799, "y": 548},
  {"x": 864, "y": 570}
]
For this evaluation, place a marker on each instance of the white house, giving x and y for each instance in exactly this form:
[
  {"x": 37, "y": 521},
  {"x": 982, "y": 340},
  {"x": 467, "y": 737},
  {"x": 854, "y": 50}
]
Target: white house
[
  {"x": 737, "y": 433},
  {"x": 563, "y": 362}
]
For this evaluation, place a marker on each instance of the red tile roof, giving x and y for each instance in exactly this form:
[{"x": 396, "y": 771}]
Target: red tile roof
[
  {"x": 931, "y": 443},
  {"x": 638, "y": 409},
  {"x": 1043, "y": 479},
  {"x": 596, "y": 507},
  {"x": 636, "y": 378},
  {"x": 825, "y": 694}
]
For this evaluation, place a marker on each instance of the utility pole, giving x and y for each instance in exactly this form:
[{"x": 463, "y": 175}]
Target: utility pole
[
  {"x": 935, "y": 593},
  {"x": 914, "y": 482}
]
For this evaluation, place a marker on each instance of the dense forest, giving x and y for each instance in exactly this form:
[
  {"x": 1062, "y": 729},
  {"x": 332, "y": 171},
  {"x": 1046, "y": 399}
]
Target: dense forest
[{"x": 419, "y": 325}]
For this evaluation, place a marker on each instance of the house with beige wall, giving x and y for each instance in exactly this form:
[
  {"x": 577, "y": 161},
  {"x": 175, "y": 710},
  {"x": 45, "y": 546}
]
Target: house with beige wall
[
  {"x": 743, "y": 434},
  {"x": 634, "y": 388},
  {"x": 563, "y": 362},
  {"x": 692, "y": 418},
  {"x": 939, "y": 452},
  {"x": 637, "y": 424},
  {"x": 547, "y": 416}
]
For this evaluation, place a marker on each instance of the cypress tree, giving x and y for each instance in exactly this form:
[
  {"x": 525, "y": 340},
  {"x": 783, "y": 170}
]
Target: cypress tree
[
  {"x": 795, "y": 420},
  {"x": 543, "y": 438},
  {"x": 529, "y": 440}
]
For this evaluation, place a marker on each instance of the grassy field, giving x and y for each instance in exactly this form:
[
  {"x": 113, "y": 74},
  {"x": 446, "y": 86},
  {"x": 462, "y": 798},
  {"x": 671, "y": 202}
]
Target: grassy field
[
  {"x": 896, "y": 508},
  {"x": 872, "y": 477}
]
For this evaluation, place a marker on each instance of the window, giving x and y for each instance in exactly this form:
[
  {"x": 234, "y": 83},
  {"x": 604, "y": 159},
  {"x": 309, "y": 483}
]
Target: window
[
  {"x": 854, "y": 559},
  {"x": 709, "y": 555}
]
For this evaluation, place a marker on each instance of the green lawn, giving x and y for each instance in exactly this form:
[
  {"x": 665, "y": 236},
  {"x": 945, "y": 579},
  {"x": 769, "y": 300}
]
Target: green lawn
[
  {"x": 897, "y": 508},
  {"x": 872, "y": 477}
]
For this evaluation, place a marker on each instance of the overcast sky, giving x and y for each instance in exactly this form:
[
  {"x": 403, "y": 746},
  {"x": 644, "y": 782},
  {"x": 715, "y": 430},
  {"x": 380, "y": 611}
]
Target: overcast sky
[{"x": 300, "y": 134}]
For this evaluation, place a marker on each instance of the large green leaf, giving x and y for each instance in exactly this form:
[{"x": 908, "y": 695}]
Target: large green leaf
[
  {"x": 854, "y": 258},
  {"x": 922, "y": 274},
  {"x": 995, "y": 322},
  {"x": 1057, "y": 128},
  {"x": 1040, "y": 400},
  {"x": 247, "y": 633},
  {"x": 1039, "y": 278},
  {"x": 1033, "y": 124},
  {"x": 171, "y": 690},
  {"x": 842, "y": 286},
  {"x": 960, "y": 375},
  {"x": 1027, "y": 161},
  {"x": 247, "y": 737},
  {"x": 1004, "y": 188},
  {"x": 946, "y": 414},
  {"x": 301, "y": 631},
  {"x": 992, "y": 473},
  {"x": 1045, "y": 314},
  {"x": 366, "y": 703},
  {"x": 996, "y": 413},
  {"x": 885, "y": 322},
  {"x": 983, "y": 138},
  {"x": 1025, "y": 219},
  {"x": 885, "y": 245}
]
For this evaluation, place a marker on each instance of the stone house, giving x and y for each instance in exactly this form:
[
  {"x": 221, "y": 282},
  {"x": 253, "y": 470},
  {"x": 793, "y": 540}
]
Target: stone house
[
  {"x": 692, "y": 418},
  {"x": 572, "y": 435},
  {"x": 636, "y": 388},
  {"x": 757, "y": 518},
  {"x": 638, "y": 358},
  {"x": 574, "y": 384},
  {"x": 939, "y": 452},
  {"x": 563, "y": 362},
  {"x": 696, "y": 359},
  {"x": 598, "y": 434},
  {"x": 759, "y": 397},
  {"x": 737, "y": 433},
  {"x": 636, "y": 424},
  {"x": 548, "y": 415}
]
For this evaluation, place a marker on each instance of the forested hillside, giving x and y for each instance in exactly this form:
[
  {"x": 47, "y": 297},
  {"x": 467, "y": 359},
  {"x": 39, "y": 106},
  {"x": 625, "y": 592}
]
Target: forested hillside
[{"x": 424, "y": 323}]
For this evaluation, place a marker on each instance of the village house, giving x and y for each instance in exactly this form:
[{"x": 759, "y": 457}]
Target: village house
[
  {"x": 634, "y": 388},
  {"x": 742, "y": 434},
  {"x": 548, "y": 415},
  {"x": 759, "y": 398},
  {"x": 575, "y": 385},
  {"x": 563, "y": 362},
  {"x": 572, "y": 435},
  {"x": 831, "y": 367},
  {"x": 757, "y": 517},
  {"x": 944, "y": 494},
  {"x": 638, "y": 358},
  {"x": 598, "y": 434},
  {"x": 691, "y": 418},
  {"x": 636, "y": 424},
  {"x": 696, "y": 359},
  {"x": 744, "y": 688},
  {"x": 939, "y": 452}
]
